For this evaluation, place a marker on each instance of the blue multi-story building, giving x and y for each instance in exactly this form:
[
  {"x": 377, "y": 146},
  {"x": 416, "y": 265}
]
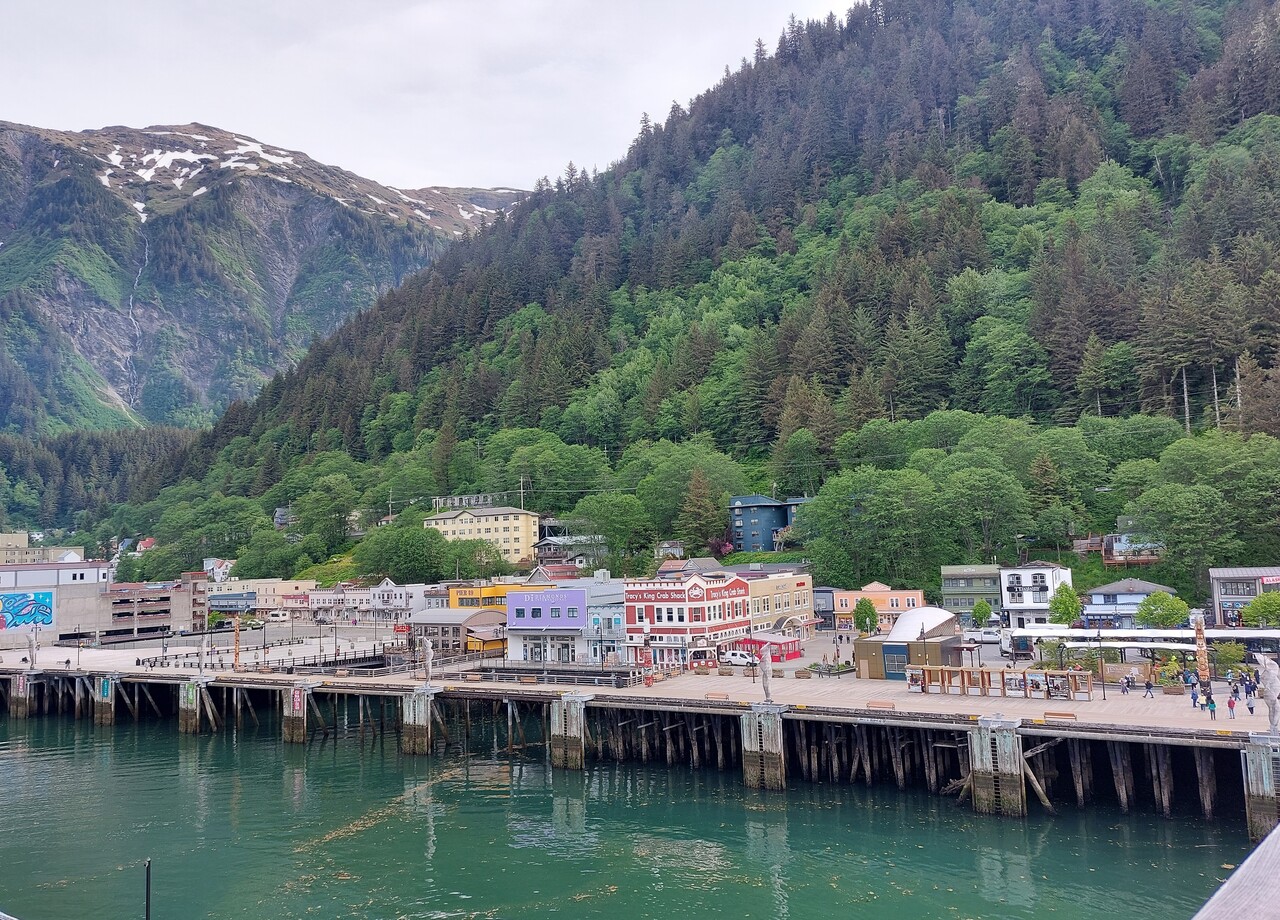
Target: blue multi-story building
[{"x": 754, "y": 520}]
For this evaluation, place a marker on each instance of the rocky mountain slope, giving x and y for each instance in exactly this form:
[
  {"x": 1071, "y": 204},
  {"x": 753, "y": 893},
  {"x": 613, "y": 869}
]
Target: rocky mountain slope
[{"x": 155, "y": 275}]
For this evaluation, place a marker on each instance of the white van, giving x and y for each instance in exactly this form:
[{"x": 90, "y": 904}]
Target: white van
[
  {"x": 736, "y": 656},
  {"x": 277, "y": 616}
]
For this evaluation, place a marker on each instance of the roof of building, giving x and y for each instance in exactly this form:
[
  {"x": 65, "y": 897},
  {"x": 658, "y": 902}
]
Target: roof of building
[
  {"x": 756, "y": 499},
  {"x": 456, "y": 616},
  {"x": 1246, "y": 572},
  {"x": 1131, "y": 586},
  {"x": 990, "y": 569},
  {"x": 931, "y": 621},
  {"x": 1034, "y": 564},
  {"x": 479, "y": 512}
]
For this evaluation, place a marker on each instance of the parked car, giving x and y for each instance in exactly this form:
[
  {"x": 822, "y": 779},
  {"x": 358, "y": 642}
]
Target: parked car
[
  {"x": 323, "y": 621},
  {"x": 736, "y": 656}
]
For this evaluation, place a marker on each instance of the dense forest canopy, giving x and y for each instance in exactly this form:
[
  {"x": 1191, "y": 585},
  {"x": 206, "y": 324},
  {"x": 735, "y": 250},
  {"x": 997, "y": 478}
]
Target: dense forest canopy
[{"x": 979, "y": 275}]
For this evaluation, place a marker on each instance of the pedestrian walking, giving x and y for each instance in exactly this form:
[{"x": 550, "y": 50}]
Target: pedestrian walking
[
  {"x": 1195, "y": 697},
  {"x": 1235, "y": 692},
  {"x": 1213, "y": 710},
  {"x": 1231, "y": 707},
  {"x": 1149, "y": 694},
  {"x": 1249, "y": 703},
  {"x": 1124, "y": 686}
]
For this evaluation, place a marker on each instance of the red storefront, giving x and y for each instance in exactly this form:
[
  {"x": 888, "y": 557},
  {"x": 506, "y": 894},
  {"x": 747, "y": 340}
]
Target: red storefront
[{"x": 674, "y": 618}]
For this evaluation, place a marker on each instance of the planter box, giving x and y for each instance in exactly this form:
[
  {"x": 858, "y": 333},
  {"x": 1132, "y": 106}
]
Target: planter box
[
  {"x": 778, "y": 672},
  {"x": 726, "y": 672},
  {"x": 1173, "y": 689},
  {"x": 750, "y": 672},
  {"x": 804, "y": 674},
  {"x": 701, "y": 670}
]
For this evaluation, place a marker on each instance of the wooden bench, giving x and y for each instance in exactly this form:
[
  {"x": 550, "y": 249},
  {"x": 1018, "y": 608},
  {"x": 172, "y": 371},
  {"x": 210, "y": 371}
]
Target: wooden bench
[
  {"x": 473, "y": 677},
  {"x": 717, "y": 696},
  {"x": 881, "y": 704},
  {"x": 527, "y": 680},
  {"x": 1060, "y": 716},
  {"x": 342, "y": 673}
]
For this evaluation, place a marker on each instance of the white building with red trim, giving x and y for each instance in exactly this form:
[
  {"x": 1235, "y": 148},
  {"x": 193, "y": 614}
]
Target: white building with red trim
[{"x": 709, "y": 610}]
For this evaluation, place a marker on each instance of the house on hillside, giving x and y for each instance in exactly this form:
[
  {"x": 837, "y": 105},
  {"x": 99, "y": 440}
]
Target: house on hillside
[
  {"x": 756, "y": 520},
  {"x": 1114, "y": 605}
]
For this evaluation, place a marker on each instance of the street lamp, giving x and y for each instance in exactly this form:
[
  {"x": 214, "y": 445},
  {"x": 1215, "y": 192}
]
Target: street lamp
[{"x": 1102, "y": 665}]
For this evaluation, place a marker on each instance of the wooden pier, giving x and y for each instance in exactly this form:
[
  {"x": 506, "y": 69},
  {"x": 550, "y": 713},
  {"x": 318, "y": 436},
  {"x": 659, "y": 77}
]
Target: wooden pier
[{"x": 1007, "y": 760}]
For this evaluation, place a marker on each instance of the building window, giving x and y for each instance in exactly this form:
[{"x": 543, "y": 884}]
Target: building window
[
  {"x": 519, "y": 613},
  {"x": 895, "y": 664},
  {"x": 1240, "y": 588},
  {"x": 535, "y": 613},
  {"x": 911, "y": 602},
  {"x": 571, "y": 613},
  {"x": 1038, "y": 580},
  {"x": 893, "y": 603},
  {"x": 555, "y": 613}
]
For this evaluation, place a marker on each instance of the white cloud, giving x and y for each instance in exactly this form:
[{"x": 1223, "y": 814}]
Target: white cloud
[{"x": 411, "y": 93}]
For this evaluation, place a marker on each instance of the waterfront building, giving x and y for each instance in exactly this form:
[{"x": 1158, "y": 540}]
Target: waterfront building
[
  {"x": 890, "y": 603},
  {"x": 781, "y": 603},
  {"x": 755, "y": 520},
  {"x": 922, "y": 636},
  {"x": 578, "y": 621},
  {"x": 140, "y": 610},
  {"x": 391, "y": 602},
  {"x": 58, "y": 599},
  {"x": 344, "y": 601},
  {"x": 487, "y": 594},
  {"x": 1114, "y": 605},
  {"x": 269, "y": 593},
  {"x": 1025, "y": 590},
  {"x": 667, "y": 619},
  {"x": 513, "y": 531},
  {"x": 824, "y": 605},
  {"x": 1233, "y": 588},
  {"x": 449, "y": 628},
  {"x": 964, "y": 585}
]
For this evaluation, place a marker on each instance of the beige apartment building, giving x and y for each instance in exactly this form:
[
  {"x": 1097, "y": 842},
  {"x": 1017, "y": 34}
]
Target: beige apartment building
[
  {"x": 512, "y": 530},
  {"x": 782, "y": 603},
  {"x": 16, "y": 549},
  {"x": 272, "y": 593}
]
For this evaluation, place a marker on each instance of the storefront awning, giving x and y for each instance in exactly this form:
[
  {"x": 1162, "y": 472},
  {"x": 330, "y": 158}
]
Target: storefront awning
[{"x": 769, "y": 638}]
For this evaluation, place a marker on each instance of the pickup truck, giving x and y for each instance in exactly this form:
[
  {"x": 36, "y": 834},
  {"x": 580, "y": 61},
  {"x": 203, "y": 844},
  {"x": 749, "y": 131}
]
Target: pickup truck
[{"x": 984, "y": 636}]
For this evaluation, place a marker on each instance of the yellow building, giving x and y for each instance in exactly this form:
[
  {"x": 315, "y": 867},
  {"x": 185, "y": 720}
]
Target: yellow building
[
  {"x": 489, "y": 596},
  {"x": 782, "y": 603},
  {"x": 512, "y": 530}
]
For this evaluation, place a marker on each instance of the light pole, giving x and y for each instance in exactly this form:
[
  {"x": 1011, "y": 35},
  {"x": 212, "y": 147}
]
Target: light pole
[{"x": 1102, "y": 665}]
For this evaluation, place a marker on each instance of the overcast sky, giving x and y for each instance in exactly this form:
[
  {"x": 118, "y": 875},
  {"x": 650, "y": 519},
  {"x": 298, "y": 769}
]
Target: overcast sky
[{"x": 410, "y": 93}]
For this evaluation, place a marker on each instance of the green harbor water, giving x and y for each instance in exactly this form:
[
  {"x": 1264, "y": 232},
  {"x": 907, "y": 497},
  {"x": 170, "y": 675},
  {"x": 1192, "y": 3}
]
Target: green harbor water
[{"x": 244, "y": 826}]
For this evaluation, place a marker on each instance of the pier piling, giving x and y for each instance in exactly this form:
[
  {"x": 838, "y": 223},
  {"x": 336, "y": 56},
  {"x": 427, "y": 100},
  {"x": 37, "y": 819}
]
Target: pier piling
[
  {"x": 104, "y": 699},
  {"x": 763, "y": 747},
  {"x": 1260, "y": 760},
  {"x": 294, "y": 714},
  {"x": 997, "y": 768},
  {"x": 415, "y": 716},
  {"x": 568, "y": 731}
]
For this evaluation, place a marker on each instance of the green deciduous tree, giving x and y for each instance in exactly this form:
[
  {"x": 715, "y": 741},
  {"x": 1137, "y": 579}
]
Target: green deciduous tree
[
  {"x": 865, "y": 617},
  {"x": 1162, "y": 611},
  {"x": 981, "y": 613},
  {"x": 324, "y": 510},
  {"x": 1263, "y": 611},
  {"x": 1064, "y": 606},
  {"x": 1191, "y": 523},
  {"x": 624, "y": 523}
]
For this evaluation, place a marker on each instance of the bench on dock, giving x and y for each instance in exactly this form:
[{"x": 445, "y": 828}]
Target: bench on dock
[
  {"x": 342, "y": 673},
  {"x": 881, "y": 704},
  {"x": 472, "y": 676},
  {"x": 716, "y": 695},
  {"x": 1060, "y": 717},
  {"x": 527, "y": 680}
]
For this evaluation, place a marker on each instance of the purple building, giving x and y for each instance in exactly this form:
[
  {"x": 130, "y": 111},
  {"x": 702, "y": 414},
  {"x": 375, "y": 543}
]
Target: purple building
[{"x": 547, "y": 625}]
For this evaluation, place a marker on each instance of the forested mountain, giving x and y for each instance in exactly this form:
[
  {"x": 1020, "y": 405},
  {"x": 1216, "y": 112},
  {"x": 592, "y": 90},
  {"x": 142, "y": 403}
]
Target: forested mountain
[
  {"x": 910, "y": 253},
  {"x": 156, "y": 275}
]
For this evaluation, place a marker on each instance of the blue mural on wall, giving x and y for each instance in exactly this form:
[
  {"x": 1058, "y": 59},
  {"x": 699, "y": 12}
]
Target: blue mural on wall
[{"x": 20, "y": 611}]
